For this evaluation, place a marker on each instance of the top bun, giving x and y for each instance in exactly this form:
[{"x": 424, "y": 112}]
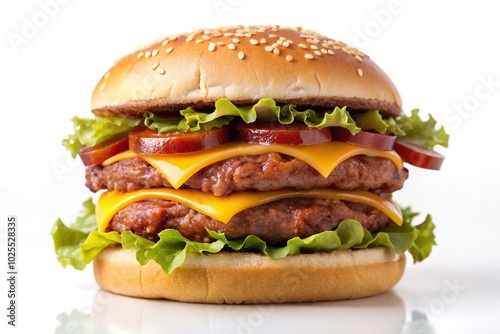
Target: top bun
[{"x": 244, "y": 64}]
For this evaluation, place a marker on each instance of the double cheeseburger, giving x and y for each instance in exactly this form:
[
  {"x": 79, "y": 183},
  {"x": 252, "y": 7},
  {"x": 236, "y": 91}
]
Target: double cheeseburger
[{"x": 247, "y": 164}]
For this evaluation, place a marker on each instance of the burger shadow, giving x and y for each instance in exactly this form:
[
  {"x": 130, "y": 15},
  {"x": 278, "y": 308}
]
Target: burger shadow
[{"x": 111, "y": 313}]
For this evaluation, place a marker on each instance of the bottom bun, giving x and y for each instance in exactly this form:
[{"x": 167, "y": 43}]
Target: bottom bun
[{"x": 249, "y": 278}]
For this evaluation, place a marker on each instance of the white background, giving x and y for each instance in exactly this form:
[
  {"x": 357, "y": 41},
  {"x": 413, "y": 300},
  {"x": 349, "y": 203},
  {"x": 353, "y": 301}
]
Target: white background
[{"x": 443, "y": 56}]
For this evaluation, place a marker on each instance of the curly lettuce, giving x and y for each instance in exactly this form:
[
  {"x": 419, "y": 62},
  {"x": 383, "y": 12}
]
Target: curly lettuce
[
  {"x": 265, "y": 110},
  {"x": 77, "y": 245},
  {"x": 373, "y": 121},
  {"x": 92, "y": 131},
  {"x": 419, "y": 132}
]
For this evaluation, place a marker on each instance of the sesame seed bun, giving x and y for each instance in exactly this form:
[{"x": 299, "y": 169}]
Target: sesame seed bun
[
  {"x": 244, "y": 64},
  {"x": 249, "y": 278}
]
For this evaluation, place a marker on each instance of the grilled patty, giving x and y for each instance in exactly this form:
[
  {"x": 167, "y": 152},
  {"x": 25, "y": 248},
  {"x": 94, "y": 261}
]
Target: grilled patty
[
  {"x": 274, "y": 222},
  {"x": 261, "y": 172}
]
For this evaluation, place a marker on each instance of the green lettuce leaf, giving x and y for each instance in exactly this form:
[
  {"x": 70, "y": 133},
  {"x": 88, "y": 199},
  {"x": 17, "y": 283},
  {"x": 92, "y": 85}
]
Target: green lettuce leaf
[
  {"x": 373, "y": 121},
  {"x": 423, "y": 133},
  {"x": 76, "y": 246},
  {"x": 91, "y": 131},
  {"x": 422, "y": 246},
  {"x": 265, "y": 108},
  {"x": 67, "y": 240}
]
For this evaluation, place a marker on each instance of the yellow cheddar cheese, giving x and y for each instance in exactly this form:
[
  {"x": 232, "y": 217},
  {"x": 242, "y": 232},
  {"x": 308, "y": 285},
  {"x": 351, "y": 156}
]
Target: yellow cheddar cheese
[
  {"x": 178, "y": 168},
  {"x": 224, "y": 208}
]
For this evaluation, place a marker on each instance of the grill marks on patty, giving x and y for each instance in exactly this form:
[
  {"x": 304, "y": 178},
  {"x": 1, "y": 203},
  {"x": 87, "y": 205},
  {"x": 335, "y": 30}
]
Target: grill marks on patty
[{"x": 262, "y": 172}]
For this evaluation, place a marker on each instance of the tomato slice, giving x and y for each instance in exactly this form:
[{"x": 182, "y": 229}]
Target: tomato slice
[
  {"x": 419, "y": 156},
  {"x": 146, "y": 141},
  {"x": 96, "y": 155},
  {"x": 364, "y": 138},
  {"x": 276, "y": 133}
]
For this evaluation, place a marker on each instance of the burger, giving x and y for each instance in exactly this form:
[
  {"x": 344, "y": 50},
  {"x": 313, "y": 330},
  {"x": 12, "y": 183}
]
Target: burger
[{"x": 248, "y": 164}]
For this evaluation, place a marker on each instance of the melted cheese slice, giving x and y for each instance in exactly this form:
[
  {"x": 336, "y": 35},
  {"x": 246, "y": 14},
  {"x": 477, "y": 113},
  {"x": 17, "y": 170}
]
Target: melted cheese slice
[
  {"x": 178, "y": 168},
  {"x": 224, "y": 208}
]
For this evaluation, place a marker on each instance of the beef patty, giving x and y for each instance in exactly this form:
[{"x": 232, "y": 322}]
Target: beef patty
[
  {"x": 274, "y": 222},
  {"x": 261, "y": 172}
]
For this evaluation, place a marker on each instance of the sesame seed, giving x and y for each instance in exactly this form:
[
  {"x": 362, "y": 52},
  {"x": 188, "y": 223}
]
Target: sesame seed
[
  {"x": 272, "y": 38},
  {"x": 160, "y": 71},
  {"x": 360, "y": 72},
  {"x": 107, "y": 75},
  {"x": 102, "y": 86}
]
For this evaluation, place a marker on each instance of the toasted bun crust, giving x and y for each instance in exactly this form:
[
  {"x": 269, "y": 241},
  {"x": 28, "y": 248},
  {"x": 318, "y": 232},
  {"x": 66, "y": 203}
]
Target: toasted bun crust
[
  {"x": 244, "y": 64},
  {"x": 236, "y": 278}
]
